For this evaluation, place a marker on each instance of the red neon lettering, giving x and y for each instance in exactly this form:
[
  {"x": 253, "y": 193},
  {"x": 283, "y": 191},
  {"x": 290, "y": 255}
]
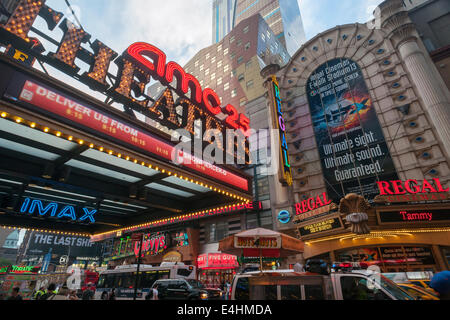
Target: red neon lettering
[
  {"x": 427, "y": 186},
  {"x": 312, "y": 204},
  {"x": 439, "y": 186},
  {"x": 211, "y": 101},
  {"x": 384, "y": 188},
  {"x": 139, "y": 50},
  {"x": 398, "y": 187},
  {"x": 408, "y": 186},
  {"x": 184, "y": 81}
]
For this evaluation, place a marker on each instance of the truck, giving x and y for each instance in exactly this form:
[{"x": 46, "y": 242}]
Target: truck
[{"x": 292, "y": 285}]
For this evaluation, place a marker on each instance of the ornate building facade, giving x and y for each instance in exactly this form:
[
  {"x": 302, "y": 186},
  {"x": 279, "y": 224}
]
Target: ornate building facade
[{"x": 367, "y": 117}]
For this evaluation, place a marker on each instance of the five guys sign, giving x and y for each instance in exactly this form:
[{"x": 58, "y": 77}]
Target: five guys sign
[{"x": 136, "y": 67}]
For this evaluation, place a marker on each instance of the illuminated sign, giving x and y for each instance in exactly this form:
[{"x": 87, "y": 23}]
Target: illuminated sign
[
  {"x": 284, "y": 216},
  {"x": 279, "y": 123},
  {"x": 136, "y": 67},
  {"x": 185, "y": 218},
  {"x": 414, "y": 215},
  {"x": 412, "y": 186},
  {"x": 60, "y": 105},
  {"x": 257, "y": 242},
  {"x": 323, "y": 226},
  {"x": 19, "y": 269},
  {"x": 312, "y": 204},
  {"x": 153, "y": 244},
  {"x": 181, "y": 239},
  {"x": 217, "y": 261},
  {"x": 55, "y": 210}
]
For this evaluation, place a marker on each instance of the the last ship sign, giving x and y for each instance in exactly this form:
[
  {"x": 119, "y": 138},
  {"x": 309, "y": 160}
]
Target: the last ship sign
[{"x": 137, "y": 66}]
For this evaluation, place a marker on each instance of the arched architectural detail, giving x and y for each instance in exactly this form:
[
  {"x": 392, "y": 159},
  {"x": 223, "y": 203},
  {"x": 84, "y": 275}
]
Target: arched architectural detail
[{"x": 390, "y": 86}]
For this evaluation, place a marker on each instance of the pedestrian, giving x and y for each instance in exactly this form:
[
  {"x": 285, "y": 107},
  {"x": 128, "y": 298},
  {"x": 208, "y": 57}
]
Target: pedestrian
[
  {"x": 72, "y": 295},
  {"x": 112, "y": 296},
  {"x": 227, "y": 290},
  {"x": 88, "y": 294},
  {"x": 154, "y": 293},
  {"x": 49, "y": 294},
  {"x": 15, "y": 296},
  {"x": 441, "y": 284}
]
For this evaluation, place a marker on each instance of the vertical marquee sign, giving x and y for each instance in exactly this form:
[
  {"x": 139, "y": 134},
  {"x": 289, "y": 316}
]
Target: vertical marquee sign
[
  {"x": 285, "y": 172},
  {"x": 352, "y": 148}
]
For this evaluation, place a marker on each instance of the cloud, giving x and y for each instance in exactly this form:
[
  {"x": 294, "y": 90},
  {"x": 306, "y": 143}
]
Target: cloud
[
  {"x": 180, "y": 28},
  {"x": 321, "y": 15}
]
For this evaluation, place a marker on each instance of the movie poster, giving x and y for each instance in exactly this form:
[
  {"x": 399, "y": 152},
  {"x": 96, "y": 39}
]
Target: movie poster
[{"x": 352, "y": 147}]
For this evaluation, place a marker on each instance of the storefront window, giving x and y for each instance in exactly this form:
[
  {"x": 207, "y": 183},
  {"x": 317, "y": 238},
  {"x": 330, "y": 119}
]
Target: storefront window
[
  {"x": 217, "y": 231},
  {"x": 392, "y": 259}
]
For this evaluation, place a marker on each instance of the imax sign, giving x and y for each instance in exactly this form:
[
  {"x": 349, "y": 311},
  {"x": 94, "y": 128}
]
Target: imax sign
[{"x": 58, "y": 211}]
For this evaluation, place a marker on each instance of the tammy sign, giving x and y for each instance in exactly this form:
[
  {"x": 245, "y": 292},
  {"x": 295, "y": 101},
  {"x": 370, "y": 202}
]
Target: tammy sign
[{"x": 137, "y": 66}]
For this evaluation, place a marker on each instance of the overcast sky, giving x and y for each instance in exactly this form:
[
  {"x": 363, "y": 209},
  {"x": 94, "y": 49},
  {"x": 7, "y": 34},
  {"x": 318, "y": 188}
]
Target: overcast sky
[{"x": 182, "y": 27}]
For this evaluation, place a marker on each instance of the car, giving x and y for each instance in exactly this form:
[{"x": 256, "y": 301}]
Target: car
[
  {"x": 291, "y": 285},
  {"x": 419, "y": 292},
  {"x": 185, "y": 289}
]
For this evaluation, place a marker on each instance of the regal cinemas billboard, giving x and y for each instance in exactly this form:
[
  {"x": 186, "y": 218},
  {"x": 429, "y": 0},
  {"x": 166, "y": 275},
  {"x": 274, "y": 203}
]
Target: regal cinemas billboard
[{"x": 351, "y": 144}]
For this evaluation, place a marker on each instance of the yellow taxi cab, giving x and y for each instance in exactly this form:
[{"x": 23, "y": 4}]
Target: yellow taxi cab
[{"x": 419, "y": 292}]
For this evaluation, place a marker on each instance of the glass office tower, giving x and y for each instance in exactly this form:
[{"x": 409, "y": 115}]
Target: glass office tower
[{"x": 282, "y": 16}]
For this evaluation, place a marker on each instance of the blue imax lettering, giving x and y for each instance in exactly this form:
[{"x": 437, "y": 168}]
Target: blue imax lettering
[{"x": 56, "y": 210}]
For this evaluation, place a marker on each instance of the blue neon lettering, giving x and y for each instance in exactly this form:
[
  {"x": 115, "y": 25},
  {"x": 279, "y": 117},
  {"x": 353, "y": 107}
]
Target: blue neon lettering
[
  {"x": 88, "y": 214},
  {"x": 31, "y": 206},
  {"x": 68, "y": 211},
  {"x": 24, "y": 207},
  {"x": 43, "y": 211}
]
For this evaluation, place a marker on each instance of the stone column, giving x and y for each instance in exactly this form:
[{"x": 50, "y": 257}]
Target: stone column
[{"x": 422, "y": 72}]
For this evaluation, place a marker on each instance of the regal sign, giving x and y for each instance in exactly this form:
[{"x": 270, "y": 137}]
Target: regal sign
[
  {"x": 313, "y": 207},
  {"x": 411, "y": 191},
  {"x": 137, "y": 66}
]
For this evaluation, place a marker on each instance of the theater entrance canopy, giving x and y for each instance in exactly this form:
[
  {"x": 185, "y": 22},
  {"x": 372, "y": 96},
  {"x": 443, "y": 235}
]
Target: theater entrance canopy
[{"x": 71, "y": 163}]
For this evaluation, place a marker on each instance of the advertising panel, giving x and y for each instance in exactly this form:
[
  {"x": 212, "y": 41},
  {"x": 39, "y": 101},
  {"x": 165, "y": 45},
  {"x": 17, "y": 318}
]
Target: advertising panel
[
  {"x": 41, "y": 244},
  {"x": 323, "y": 226},
  {"x": 68, "y": 108},
  {"x": 352, "y": 147}
]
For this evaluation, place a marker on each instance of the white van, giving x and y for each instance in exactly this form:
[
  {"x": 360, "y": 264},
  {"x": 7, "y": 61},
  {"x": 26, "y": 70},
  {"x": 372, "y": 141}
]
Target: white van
[{"x": 290, "y": 285}]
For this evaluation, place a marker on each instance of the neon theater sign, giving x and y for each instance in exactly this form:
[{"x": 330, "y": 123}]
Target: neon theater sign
[
  {"x": 136, "y": 67},
  {"x": 286, "y": 173},
  {"x": 57, "y": 211}
]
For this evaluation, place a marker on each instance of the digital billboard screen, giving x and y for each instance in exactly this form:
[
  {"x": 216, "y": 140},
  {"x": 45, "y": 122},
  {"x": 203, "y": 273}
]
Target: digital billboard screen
[{"x": 352, "y": 148}]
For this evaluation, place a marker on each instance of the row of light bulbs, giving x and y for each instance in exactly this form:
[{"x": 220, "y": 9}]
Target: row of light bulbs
[
  {"x": 121, "y": 156},
  {"x": 59, "y": 134},
  {"x": 378, "y": 234}
]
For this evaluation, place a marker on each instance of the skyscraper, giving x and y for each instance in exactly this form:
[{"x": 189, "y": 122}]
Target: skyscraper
[
  {"x": 223, "y": 17},
  {"x": 282, "y": 16}
]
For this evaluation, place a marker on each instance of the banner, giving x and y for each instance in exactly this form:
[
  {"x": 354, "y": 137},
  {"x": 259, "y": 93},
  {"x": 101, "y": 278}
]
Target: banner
[{"x": 352, "y": 147}]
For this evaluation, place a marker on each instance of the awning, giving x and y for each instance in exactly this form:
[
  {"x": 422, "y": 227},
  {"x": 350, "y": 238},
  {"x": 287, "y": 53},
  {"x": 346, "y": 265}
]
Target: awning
[
  {"x": 261, "y": 242},
  {"x": 58, "y": 174}
]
